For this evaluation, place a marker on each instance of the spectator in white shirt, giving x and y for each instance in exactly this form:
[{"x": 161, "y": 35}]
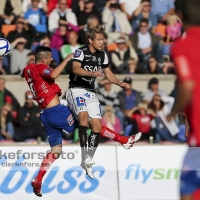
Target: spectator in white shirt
[
  {"x": 146, "y": 43},
  {"x": 121, "y": 55},
  {"x": 153, "y": 88},
  {"x": 115, "y": 21},
  {"x": 129, "y": 6},
  {"x": 61, "y": 13}
]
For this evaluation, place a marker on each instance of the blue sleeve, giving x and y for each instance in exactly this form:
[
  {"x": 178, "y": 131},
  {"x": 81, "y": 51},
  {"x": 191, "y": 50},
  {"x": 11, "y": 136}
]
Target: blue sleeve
[
  {"x": 153, "y": 20},
  {"x": 42, "y": 17},
  {"x": 171, "y": 4},
  {"x": 42, "y": 27},
  {"x": 27, "y": 13}
]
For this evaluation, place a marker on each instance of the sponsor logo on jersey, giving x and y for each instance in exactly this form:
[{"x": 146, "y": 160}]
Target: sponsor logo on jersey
[
  {"x": 92, "y": 68},
  {"x": 81, "y": 107},
  {"x": 87, "y": 55},
  {"x": 77, "y": 53},
  {"x": 41, "y": 100},
  {"x": 94, "y": 58},
  {"x": 47, "y": 71},
  {"x": 29, "y": 80},
  {"x": 89, "y": 80},
  {"x": 87, "y": 95},
  {"x": 80, "y": 101}
]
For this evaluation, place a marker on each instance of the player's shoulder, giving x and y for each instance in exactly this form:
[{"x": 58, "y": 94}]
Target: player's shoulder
[{"x": 78, "y": 52}]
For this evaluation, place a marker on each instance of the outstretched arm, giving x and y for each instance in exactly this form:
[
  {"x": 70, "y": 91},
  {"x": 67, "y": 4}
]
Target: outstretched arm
[
  {"x": 58, "y": 70},
  {"x": 112, "y": 78}
]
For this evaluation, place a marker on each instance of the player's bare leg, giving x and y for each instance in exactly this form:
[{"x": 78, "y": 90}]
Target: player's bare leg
[
  {"x": 46, "y": 164},
  {"x": 126, "y": 142},
  {"x": 186, "y": 197}
]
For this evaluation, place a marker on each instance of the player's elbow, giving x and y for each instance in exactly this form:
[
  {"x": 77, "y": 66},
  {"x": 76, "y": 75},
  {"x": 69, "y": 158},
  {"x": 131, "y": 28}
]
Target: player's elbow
[
  {"x": 54, "y": 76},
  {"x": 75, "y": 70}
]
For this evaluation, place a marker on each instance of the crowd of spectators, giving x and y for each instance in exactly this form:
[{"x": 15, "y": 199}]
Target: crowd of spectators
[
  {"x": 126, "y": 112},
  {"x": 138, "y": 31},
  {"x": 140, "y": 34}
]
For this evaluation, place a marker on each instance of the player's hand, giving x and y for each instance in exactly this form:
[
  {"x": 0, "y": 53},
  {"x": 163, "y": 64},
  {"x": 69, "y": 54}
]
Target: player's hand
[
  {"x": 97, "y": 74},
  {"x": 69, "y": 57},
  {"x": 170, "y": 117},
  {"x": 124, "y": 85}
]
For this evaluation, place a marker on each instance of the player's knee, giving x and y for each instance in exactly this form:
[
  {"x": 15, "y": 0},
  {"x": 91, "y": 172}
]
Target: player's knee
[
  {"x": 83, "y": 118},
  {"x": 97, "y": 127}
]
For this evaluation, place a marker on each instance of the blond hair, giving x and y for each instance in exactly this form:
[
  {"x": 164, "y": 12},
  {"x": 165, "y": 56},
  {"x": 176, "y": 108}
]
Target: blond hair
[
  {"x": 113, "y": 118},
  {"x": 93, "y": 30},
  {"x": 172, "y": 17}
]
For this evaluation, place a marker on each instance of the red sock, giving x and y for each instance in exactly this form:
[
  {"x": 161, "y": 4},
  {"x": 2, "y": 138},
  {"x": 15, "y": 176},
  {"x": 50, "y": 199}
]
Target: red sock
[
  {"x": 108, "y": 133},
  {"x": 46, "y": 164}
]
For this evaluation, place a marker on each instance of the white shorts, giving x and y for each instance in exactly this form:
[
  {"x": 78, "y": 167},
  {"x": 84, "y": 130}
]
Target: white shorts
[{"x": 80, "y": 100}]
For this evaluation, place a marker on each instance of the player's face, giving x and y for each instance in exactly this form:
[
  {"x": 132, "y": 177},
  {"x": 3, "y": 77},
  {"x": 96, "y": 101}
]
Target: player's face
[{"x": 97, "y": 43}]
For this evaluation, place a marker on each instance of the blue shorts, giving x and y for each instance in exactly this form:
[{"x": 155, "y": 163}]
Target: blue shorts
[
  {"x": 190, "y": 174},
  {"x": 56, "y": 119}
]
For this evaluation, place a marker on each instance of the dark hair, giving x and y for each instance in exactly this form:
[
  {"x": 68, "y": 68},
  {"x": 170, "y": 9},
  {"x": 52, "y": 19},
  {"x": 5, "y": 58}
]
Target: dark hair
[
  {"x": 92, "y": 17},
  {"x": 157, "y": 69},
  {"x": 190, "y": 11},
  {"x": 31, "y": 54},
  {"x": 144, "y": 20},
  {"x": 41, "y": 52},
  {"x": 152, "y": 105},
  {"x": 145, "y": 1}
]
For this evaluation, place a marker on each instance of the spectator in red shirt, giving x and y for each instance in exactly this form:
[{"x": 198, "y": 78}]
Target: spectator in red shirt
[
  {"x": 53, "y": 3},
  {"x": 142, "y": 119}
]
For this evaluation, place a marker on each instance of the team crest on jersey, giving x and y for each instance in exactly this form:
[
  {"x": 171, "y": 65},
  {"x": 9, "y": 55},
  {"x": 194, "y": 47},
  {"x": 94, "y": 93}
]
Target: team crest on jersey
[
  {"x": 47, "y": 71},
  {"x": 99, "y": 60},
  {"x": 77, "y": 53},
  {"x": 94, "y": 58}
]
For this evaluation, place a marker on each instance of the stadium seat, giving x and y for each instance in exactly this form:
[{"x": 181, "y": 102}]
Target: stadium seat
[
  {"x": 112, "y": 47},
  {"x": 7, "y": 28}
]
